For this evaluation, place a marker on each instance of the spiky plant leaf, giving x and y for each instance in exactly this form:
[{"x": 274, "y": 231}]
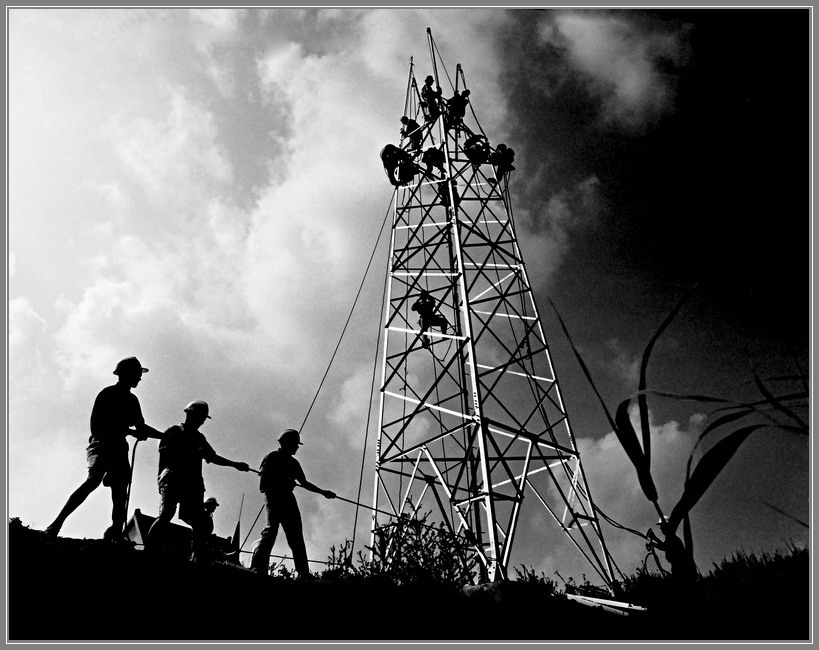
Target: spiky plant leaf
[
  {"x": 709, "y": 467},
  {"x": 642, "y": 403},
  {"x": 631, "y": 444},
  {"x": 779, "y": 406},
  {"x": 583, "y": 366}
]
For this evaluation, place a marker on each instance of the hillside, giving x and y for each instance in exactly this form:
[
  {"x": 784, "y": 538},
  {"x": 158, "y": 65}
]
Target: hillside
[{"x": 70, "y": 589}]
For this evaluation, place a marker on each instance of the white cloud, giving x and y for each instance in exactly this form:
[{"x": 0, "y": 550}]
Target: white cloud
[
  {"x": 618, "y": 60},
  {"x": 545, "y": 237}
]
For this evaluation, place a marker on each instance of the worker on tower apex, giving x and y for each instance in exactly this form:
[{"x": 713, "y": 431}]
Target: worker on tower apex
[
  {"x": 429, "y": 98},
  {"x": 412, "y": 131},
  {"x": 429, "y": 316},
  {"x": 477, "y": 149},
  {"x": 456, "y": 109},
  {"x": 280, "y": 472},
  {"x": 433, "y": 157},
  {"x": 502, "y": 158},
  {"x": 181, "y": 452},
  {"x": 398, "y": 165},
  {"x": 115, "y": 415}
]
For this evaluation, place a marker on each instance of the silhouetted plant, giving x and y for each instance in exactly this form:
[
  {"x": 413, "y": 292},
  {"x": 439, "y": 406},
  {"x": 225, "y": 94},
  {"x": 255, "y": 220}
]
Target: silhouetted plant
[
  {"x": 409, "y": 551},
  {"x": 712, "y": 461}
]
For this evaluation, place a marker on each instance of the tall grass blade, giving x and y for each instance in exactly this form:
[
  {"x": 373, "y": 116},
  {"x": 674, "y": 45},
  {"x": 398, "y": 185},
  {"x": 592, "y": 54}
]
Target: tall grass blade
[
  {"x": 631, "y": 444},
  {"x": 642, "y": 403},
  {"x": 785, "y": 514},
  {"x": 709, "y": 467},
  {"x": 583, "y": 366}
]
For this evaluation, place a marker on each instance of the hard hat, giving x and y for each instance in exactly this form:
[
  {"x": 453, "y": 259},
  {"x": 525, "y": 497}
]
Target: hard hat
[
  {"x": 198, "y": 405},
  {"x": 129, "y": 364},
  {"x": 465, "y": 93},
  {"x": 290, "y": 434},
  {"x": 429, "y": 78},
  {"x": 404, "y": 119},
  {"x": 211, "y": 500}
]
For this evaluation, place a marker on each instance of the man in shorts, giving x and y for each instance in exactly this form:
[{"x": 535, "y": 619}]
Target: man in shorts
[{"x": 116, "y": 414}]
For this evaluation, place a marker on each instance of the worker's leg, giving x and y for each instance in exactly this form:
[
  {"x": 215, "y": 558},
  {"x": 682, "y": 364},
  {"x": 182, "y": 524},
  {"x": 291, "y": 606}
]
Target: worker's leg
[
  {"x": 192, "y": 512},
  {"x": 119, "y": 496},
  {"x": 291, "y": 522},
  {"x": 167, "y": 510},
  {"x": 261, "y": 554},
  {"x": 96, "y": 470}
]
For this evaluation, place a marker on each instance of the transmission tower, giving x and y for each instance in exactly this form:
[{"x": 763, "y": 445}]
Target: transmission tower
[{"x": 472, "y": 424}]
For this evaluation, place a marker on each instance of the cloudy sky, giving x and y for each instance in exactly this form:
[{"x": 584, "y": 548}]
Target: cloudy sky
[{"x": 202, "y": 189}]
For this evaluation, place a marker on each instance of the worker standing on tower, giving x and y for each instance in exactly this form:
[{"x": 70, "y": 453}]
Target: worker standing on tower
[
  {"x": 181, "y": 452},
  {"x": 429, "y": 316},
  {"x": 456, "y": 109},
  {"x": 502, "y": 158},
  {"x": 115, "y": 415},
  {"x": 433, "y": 157},
  {"x": 430, "y": 98},
  {"x": 412, "y": 131},
  {"x": 280, "y": 472}
]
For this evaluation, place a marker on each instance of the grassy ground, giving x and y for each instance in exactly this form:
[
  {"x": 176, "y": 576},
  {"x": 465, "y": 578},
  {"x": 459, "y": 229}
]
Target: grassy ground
[{"x": 88, "y": 590}]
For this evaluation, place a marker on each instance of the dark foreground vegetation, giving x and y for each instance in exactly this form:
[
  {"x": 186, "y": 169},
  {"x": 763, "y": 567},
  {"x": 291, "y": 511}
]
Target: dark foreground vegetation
[{"x": 75, "y": 590}]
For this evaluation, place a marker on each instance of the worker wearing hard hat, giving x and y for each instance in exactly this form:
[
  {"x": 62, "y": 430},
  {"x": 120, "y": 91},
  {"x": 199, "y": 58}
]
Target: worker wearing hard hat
[
  {"x": 280, "y": 472},
  {"x": 181, "y": 452},
  {"x": 115, "y": 415}
]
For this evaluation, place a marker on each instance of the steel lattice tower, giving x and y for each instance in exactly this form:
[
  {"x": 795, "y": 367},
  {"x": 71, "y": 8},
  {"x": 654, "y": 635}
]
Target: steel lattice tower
[{"x": 472, "y": 425}]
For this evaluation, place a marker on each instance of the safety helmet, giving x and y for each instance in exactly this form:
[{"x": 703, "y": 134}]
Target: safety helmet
[
  {"x": 290, "y": 435},
  {"x": 129, "y": 364},
  {"x": 211, "y": 501},
  {"x": 198, "y": 406},
  {"x": 404, "y": 119},
  {"x": 465, "y": 93},
  {"x": 429, "y": 78}
]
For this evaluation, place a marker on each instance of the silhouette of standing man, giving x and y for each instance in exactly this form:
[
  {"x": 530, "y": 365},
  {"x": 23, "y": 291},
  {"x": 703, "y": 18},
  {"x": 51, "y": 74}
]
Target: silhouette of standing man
[
  {"x": 280, "y": 472},
  {"x": 115, "y": 415},
  {"x": 181, "y": 452}
]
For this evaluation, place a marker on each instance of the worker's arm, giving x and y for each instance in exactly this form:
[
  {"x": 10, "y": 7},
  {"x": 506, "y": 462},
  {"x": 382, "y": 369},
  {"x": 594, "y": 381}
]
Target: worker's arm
[
  {"x": 310, "y": 487},
  {"x": 216, "y": 459},
  {"x": 144, "y": 431}
]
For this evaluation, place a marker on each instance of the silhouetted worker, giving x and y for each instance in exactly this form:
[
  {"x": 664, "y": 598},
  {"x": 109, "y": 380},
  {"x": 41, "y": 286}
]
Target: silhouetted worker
[
  {"x": 115, "y": 415},
  {"x": 181, "y": 452},
  {"x": 477, "y": 149},
  {"x": 429, "y": 316},
  {"x": 430, "y": 97},
  {"x": 398, "y": 165},
  {"x": 683, "y": 569},
  {"x": 280, "y": 472},
  {"x": 502, "y": 158},
  {"x": 433, "y": 157},
  {"x": 210, "y": 506},
  {"x": 412, "y": 131},
  {"x": 456, "y": 108}
]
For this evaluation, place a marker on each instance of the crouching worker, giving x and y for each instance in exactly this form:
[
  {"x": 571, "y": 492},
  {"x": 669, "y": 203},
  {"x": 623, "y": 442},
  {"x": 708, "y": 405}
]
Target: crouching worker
[
  {"x": 181, "y": 452},
  {"x": 280, "y": 472}
]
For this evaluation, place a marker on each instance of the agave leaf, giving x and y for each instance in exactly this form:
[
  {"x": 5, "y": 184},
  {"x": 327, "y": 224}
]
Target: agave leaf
[
  {"x": 773, "y": 400},
  {"x": 709, "y": 467},
  {"x": 720, "y": 421},
  {"x": 641, "y": 399},
  {"x": 688, "y": 539},
  {"x": 583, "y": 367},
  {"x": 628, "y": 439}
]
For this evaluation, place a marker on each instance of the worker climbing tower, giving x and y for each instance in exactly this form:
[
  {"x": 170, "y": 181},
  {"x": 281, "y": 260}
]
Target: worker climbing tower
[{"x": 472, "y": 425}]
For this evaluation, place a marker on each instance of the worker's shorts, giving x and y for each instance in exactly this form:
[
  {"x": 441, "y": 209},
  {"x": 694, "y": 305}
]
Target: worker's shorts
[{"x": 110, "y": 463}]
